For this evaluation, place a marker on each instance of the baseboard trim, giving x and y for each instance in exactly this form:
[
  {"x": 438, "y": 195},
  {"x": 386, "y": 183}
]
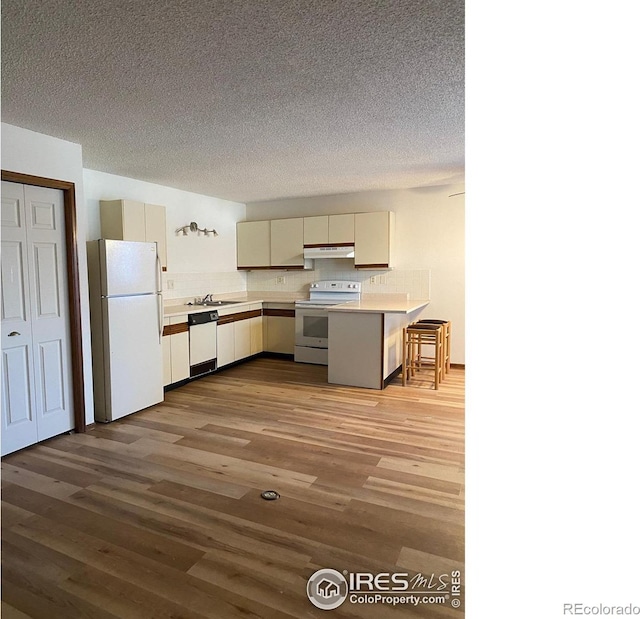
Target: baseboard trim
[
  {"x": 276, "y": 355},
  {"x": 391, "y": 376}
]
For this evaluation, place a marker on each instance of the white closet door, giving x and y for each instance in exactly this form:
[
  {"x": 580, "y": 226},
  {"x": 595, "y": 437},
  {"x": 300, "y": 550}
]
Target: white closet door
[
  {"x": 19, "y": 426},
  {"x": 37, "y": 363}
]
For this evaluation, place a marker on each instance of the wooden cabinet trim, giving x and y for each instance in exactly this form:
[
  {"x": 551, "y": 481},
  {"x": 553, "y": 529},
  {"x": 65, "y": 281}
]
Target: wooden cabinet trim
[
  {"x": 275, "y": 267},
  {"x": 224, "y": 320},
  {"x": 174, "y": 329},
  {"x": 285, "y": 313},
  {"x": 313, "y": 245}
]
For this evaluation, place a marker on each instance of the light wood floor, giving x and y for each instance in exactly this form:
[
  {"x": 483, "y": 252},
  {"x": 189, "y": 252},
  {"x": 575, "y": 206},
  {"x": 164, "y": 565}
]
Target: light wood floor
[{"x": 160, "y": 515}]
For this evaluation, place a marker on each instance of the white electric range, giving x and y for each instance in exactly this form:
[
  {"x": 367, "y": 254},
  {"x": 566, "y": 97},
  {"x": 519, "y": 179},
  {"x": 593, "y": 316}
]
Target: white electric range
[{"x": 312, "y": 318}]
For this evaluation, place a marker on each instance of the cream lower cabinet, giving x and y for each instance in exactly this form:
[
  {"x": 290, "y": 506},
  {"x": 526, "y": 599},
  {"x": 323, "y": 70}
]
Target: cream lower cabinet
[
  {"x": 128, "y": 220},
  {"x": 257, "y": 339},
  {"x": 226, "y": 344},
  {"x": 279, "y": 333},
  {"x": 175, "y": 350},
  {"x": 242, "y": 339},
  {"x": 239, "y": 334}
]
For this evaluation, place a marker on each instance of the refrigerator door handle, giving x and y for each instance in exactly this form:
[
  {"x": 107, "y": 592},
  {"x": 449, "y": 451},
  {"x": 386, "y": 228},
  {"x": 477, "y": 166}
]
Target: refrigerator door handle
[
  {"x": 160, "y": 325},
  {"x": 158, "y": 273},
  {"x": 159, "y": 294}
]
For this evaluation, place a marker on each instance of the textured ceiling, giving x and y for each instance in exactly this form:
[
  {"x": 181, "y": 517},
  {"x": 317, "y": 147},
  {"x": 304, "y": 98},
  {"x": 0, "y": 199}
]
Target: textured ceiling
[{"x": 245, "y": 100}]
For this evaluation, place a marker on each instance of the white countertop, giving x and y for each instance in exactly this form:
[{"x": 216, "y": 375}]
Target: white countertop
[
  {"x": 394, "y": 304},
  {"x": 178, "y": 310},
  {"x": 381, "y": 306},
  {"x": 244, "y": 298}
]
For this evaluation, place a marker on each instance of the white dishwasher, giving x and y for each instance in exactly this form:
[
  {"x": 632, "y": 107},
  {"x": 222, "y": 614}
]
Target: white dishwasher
[{"x": 203, "y": 342}]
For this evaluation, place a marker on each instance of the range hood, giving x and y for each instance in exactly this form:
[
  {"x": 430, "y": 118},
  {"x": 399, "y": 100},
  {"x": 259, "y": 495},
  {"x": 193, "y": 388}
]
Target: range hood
[{"x": 345, "y": 251}]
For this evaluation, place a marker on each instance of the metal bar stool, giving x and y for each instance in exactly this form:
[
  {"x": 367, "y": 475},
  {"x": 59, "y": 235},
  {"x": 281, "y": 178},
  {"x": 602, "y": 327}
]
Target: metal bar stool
[
  {"x": 447, "y": 339},
  {"x": 414, "y": 337}
]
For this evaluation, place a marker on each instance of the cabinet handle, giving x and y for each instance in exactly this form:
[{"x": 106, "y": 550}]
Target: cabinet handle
[{"x": 13, "y": 333}]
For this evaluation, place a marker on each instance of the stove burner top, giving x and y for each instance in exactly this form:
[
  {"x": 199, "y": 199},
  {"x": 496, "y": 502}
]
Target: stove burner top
[
  {"x": 319, "y": 302},
  {"x": 331, "y": 292}
]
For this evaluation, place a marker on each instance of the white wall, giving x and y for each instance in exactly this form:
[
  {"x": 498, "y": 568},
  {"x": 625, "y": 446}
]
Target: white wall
[
  {"x": 196, "y": 264},
  {"x": 429, "y": 245},
  {"x": 33, "y": 153},
  {"x": 191, "y": 253}
]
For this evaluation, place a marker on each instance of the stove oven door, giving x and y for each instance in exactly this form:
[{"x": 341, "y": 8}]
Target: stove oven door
[
  {"x": 312, "y": 336},
  {"x": 312, "y": 327}
]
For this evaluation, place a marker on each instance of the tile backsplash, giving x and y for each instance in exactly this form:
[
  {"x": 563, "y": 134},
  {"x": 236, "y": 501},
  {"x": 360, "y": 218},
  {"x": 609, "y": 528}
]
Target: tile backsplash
[
  {"x": 415, "y": 283},
  {"x": 186, "y": 285}
]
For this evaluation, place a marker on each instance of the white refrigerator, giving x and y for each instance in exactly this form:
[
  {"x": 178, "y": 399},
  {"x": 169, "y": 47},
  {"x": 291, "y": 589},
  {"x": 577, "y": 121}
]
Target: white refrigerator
[{"x": 125, "y": 296}]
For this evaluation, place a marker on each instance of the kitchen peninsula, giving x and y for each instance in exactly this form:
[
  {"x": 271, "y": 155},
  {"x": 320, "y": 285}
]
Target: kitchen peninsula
[
  {"x": 365, "y": 336},
  {"x": 365, "y": 340}
]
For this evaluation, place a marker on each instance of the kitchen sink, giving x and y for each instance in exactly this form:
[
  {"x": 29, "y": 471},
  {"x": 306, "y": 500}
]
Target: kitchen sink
[{"x": 214, "y": 303}]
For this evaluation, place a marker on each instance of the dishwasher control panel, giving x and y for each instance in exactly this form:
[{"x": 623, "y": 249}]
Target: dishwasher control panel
[{"x": 202, "y": 318}]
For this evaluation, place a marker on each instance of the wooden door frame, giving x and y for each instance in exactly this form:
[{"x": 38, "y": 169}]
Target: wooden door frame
[{"x": 73, "y": 284}]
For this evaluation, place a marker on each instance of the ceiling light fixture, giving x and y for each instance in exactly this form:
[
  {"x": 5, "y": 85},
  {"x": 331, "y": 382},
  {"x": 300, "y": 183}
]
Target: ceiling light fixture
[{"x": 193, "y": 227}]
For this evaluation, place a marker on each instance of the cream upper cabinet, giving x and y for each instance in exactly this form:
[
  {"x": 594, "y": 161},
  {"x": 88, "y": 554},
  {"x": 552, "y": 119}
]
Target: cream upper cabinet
[
  {"x": 128, "y": 220},
  {"x": 287, "y": 245},
  {"x": 329, "y": 229},
  {"x": 374, "y": 234},
  {"x": 316, "y": 230},
  {"x": 155, "y": 226},
  {"x": 253, "y": 244},
  {"x": 342, "y": 228}
]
